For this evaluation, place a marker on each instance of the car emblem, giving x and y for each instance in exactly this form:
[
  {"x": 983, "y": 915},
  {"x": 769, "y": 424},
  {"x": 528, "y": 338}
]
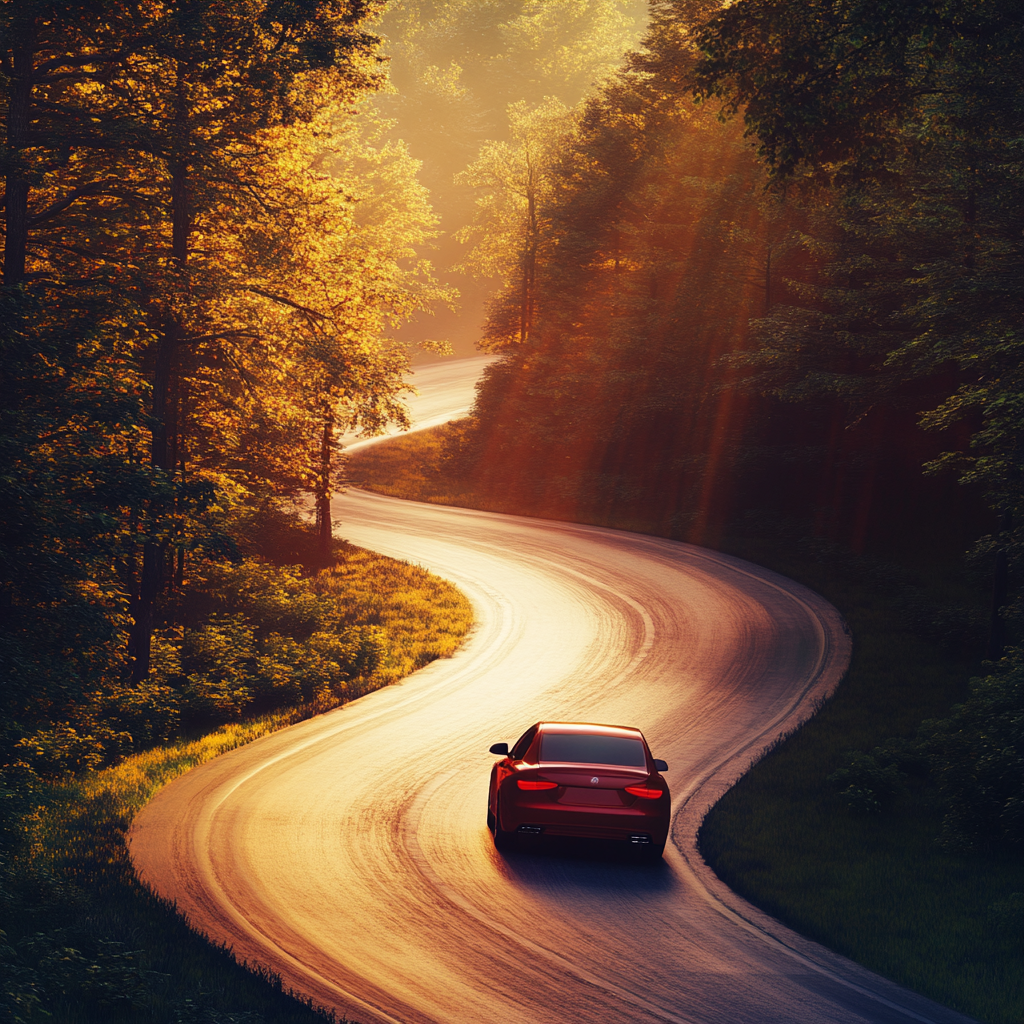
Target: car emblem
[{"x": 595, "y": 780}]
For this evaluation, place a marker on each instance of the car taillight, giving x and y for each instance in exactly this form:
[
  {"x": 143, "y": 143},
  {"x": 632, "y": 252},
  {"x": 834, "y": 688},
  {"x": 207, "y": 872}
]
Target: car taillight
[
  {"x": 645, "y": 791},
  {"x": 535, "y": 784}
]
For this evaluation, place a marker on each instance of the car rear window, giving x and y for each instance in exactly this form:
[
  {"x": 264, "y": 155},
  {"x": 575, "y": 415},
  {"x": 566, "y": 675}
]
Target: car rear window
[{"x": 585, "y": 749}]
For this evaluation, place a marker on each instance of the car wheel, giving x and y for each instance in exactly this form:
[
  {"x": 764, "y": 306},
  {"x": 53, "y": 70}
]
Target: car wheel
[
  {"x": 502, "y": 840},
  {"x": 490, "y": 820}
]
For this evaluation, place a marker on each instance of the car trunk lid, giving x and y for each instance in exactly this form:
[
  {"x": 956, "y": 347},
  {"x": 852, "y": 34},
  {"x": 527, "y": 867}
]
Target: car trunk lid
[{"x": 593, "y": 776}]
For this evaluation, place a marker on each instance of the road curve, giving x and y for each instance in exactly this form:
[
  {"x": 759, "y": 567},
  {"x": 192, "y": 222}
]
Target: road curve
[
  {"x": 350, "y": 853},
  {"x": 445, "y": 390}
]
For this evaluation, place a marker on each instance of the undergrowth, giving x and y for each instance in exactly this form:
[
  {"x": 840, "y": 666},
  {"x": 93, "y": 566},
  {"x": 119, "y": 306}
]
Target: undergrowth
[{"x": 82, "y": 940}]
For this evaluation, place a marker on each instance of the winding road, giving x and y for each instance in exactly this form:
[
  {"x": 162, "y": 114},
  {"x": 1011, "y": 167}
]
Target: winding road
[{"x": 350, "y": 852}]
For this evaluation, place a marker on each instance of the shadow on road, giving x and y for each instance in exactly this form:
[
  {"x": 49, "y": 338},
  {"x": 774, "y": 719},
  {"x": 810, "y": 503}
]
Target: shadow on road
[{"x": 592, "y": 867}]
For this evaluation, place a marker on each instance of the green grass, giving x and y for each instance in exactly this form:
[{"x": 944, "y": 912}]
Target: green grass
[
  {"x": 875, "y": 887},
  {"x": 410, "y": 466},
  {"x": 83, "y": 941},
  {"x": 425, "y": 617}
]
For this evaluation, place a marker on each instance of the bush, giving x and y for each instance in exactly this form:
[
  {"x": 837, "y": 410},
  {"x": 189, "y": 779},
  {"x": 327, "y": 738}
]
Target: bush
[
  {"x": 867, "y": 782},
  {"x": 61, "y": 749},
  {"x": 977, "y": 760},
  {"x": 974, "y": 758},
  {"x": 223, "y": 669},
  {"x": 274, "y": 598},
  {"x": 149, "y": 711}
]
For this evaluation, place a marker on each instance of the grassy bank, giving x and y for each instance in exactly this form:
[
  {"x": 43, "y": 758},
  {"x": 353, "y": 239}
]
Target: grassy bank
[
  {"x": 82, "y": 940},
  {"x": 872, "y": 884}
]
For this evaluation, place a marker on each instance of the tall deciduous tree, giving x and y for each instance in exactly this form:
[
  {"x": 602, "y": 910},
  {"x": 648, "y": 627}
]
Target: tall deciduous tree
[
  {"x": 514, "y": 183},
  {"x": 173, "y": 215},
  {"x": 350, "y": 271},
  {"x": 210, "y": 84}
]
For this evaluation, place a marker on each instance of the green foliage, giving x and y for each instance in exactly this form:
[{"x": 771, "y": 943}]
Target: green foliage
[
  {"x": 833, "y": 84},
  {"x": 511, "y": 232},
  {"x": 277, "y": 597},
  {"x": 910, "y": 115},
  {"x": 868, "y": 782},
  {"x": 243, "y": 638},
  {"x": 459, "y": 64},
  {"x": 225, "y": 669},
  {"x": 71, "y": 422},
  {"x": 977, "y": 757},
  {"x": 462, "y": 70},
  {"x": 198, "y": 287},
  {"x": 974, "y": 757},
  {"x": 68, "y": 893}
]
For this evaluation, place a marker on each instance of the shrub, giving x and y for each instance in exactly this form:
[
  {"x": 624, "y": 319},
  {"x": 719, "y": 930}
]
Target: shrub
[
  {"x": 274, "y": 598},
  {"x": 869, "y": 782},
  {"x": 61, "y": 749},
  {"x": 974, "y": 758},
  {"x": 977, "y": 760}
]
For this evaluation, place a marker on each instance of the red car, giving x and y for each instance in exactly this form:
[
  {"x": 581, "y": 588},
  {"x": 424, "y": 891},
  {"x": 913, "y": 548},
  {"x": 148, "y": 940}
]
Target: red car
[{"x": 577, "y": 779}]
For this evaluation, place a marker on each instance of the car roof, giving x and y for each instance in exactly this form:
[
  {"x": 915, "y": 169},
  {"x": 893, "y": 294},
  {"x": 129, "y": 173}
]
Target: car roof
[{"x": 590, "y": 728}]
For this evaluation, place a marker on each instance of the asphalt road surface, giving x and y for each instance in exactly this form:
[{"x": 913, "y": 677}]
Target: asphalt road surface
[
  {"x": 445, "y": 391},
  {"x": 350, "y": 853}
]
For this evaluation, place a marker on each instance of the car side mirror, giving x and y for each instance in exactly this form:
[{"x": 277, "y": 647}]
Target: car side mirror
[
  {"x": 499, "y": 748},
  {"x": 659, "y": 765}
]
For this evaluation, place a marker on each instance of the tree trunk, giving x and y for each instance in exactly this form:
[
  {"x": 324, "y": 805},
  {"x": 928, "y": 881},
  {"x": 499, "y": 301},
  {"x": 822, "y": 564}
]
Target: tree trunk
[
  {"x": 524, "y": 291},
  {"x": 151, "y": 581},
  {"x": 529, "y": 259},
  {"x": 324, "y": 526},
  {"x": 17, "y": 185},
  {"x": 168, "y": 340}
]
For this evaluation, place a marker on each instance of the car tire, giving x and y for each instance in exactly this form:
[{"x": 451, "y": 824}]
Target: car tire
[
  {"x": 490, "y": 820},
  {"x": 502, "y": 840}
]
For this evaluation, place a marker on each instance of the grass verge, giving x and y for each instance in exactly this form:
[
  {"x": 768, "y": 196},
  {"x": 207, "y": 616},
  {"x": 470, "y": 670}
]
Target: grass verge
[
  {"x": 83, "y": 941},
  {"x": 876, "y": 887}
]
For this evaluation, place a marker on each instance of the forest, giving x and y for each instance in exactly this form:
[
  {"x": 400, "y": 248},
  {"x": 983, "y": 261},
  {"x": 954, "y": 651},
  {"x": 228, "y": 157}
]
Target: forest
[
  {"x": 213, "y": 239},
  {"x": 748, "y": 268},
  {"x": 206, "y": 244}
]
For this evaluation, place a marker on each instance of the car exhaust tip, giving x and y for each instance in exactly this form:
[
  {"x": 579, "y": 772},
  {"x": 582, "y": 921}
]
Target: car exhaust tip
[
  {"x": 640, "y": 839},
  {"x": 530, "y": 830}
]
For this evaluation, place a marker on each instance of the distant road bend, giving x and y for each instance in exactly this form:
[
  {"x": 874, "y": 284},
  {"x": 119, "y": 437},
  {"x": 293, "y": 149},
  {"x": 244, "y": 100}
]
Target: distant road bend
[{"x": 350, "y": 853}]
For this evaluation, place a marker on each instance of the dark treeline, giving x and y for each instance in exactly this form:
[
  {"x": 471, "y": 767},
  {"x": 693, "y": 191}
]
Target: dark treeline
[
  {"x": 768, "y": 282},
  {"x": 205, "y": 247}
]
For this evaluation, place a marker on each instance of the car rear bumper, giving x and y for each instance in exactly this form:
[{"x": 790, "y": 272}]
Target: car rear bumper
[{"x": 620, "y": 823}]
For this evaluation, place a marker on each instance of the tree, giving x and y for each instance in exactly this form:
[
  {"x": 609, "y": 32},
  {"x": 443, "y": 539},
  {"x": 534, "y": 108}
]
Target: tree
[
  {"x": 171, "y": 215},
  {"x": 215, "y": 80},
  {"x": 912, "y": 112},
  {"x": 510, "y": 229},
  {"x": 349, "y": 271},
  {"x": 457, "y": 65}
]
